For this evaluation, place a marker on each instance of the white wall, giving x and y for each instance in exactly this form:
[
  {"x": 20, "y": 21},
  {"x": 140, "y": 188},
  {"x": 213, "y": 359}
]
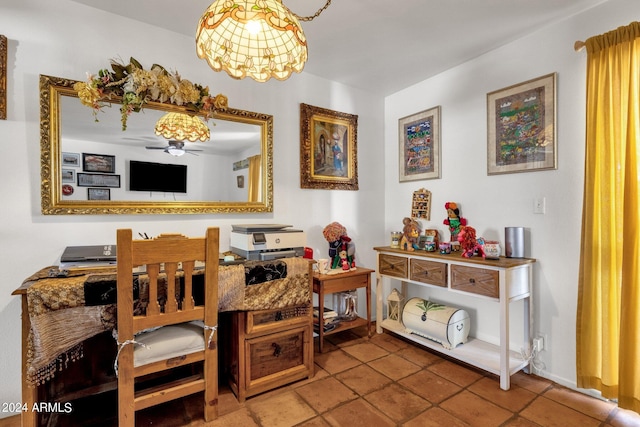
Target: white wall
[
  {"x": 491, "y": 203},
  {"x": 66, "y": 39}
]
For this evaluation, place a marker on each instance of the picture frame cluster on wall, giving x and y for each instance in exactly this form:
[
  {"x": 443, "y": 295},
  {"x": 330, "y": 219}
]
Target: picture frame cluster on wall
[
  {"x": 98, "y": 174},
  {"x": 328, "y": 152},
  {"x": 521, "y": 133}
]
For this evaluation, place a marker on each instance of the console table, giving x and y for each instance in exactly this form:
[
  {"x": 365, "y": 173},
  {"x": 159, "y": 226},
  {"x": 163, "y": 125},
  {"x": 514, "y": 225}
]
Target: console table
[
  {"x": 504, "y": 281},
  {"x": 331, "y": 283}
]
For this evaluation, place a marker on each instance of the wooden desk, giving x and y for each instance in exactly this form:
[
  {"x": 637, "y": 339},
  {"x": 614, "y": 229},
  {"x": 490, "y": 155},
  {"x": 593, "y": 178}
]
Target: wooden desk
[
  {"x": 29, "y": 394},
  {"x": 331, "y": 283},
  {"x": 90, "y": 375}
]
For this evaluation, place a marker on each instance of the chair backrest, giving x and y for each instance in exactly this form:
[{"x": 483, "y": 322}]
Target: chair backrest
[
  {"x": 170, "y": 263},
  {"x": 168, "y": 259}
]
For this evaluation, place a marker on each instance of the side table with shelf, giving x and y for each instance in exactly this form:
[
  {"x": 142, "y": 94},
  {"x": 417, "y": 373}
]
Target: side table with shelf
[
  {"x": 504, "y": 281},
  {"x": 324, "y": 284}
]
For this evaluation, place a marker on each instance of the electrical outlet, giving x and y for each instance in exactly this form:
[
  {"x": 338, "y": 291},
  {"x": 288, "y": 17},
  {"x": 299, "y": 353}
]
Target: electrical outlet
[
  {"x": 540, "y": 205},
  {"x": 538, "y": 344}
]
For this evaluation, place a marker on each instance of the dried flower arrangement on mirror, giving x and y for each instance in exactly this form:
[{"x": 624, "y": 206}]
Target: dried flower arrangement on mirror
[{"x": 133, "y": 86}]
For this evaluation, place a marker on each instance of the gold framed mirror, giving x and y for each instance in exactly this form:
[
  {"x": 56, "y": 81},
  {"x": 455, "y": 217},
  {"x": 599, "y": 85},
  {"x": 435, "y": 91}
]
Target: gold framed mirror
[{"x": 74, "y": 146}]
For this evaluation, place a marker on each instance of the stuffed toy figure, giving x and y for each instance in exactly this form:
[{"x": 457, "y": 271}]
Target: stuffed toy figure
[
  {"x": 341, "y": 249},
  {"x": 410, "y": 233},
  {"x": 468, "y": 242},
  {"x": 454, "y": 220}
]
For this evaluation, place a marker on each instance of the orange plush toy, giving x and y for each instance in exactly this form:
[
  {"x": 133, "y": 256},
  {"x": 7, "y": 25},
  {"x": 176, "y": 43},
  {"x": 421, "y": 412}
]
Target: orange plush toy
[{"x": 410, "y": 233}]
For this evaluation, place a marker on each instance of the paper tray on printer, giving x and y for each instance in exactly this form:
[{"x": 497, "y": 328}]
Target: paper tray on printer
[{"x": 249, "y": 228}]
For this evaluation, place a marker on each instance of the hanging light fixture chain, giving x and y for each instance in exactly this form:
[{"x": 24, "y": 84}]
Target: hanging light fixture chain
[{"x": 315, "y": 15}]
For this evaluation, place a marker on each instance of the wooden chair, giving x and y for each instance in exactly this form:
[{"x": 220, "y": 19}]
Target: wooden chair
[{"x": 167, "y": 336}]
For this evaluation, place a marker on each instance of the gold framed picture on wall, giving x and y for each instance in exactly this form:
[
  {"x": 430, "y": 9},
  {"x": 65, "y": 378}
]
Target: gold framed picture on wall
[
  {"x": 328, "y": 152},
  {"x": 3, "y": 77}
]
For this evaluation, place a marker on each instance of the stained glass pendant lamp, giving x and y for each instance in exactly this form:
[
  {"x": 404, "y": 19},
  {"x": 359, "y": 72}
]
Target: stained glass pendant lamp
[
  {"x": 253, "y": 38},
  {"x": 181, "y": 127}
]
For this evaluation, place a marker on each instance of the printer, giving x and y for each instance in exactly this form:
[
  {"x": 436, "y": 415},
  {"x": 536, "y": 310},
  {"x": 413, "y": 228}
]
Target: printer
[{"x": 265, "y": 242}]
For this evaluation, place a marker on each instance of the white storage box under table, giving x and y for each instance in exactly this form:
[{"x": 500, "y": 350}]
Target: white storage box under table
[{"x": 448, "y": 326}]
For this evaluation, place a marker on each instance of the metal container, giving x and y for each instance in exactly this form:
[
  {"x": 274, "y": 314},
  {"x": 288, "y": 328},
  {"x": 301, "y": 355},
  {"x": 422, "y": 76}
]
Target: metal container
[{"x": 514, "y": 242}]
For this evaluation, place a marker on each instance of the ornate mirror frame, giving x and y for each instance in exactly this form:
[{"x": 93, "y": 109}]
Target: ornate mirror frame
[{"x": 52, "y": 88}]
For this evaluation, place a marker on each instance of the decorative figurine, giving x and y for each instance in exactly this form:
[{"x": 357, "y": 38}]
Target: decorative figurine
[
  {"x": 410, "y": 233},
  {"x": 468, "y": 242},
  {"x": 453, "y": 220},
  {"x": 433, "y": 240},
  {"x": 341, "y": 249}
]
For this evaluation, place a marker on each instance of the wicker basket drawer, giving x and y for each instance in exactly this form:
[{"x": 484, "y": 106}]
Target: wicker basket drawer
[
  {"x": 273, "y": 320},
  {"x": 479, "y": 281},
  {"x": 393, "y": 266},
  {"x": 429, "y": 272}
]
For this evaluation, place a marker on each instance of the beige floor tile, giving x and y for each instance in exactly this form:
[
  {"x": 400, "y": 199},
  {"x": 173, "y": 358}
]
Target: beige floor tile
[
  {"x": 595, "y": 408},
  {"x": 520, "y": 422},
  {"x": 457, "y": 374},
  {"x": 269, "y": 411},
  {"x": 326, "y": 394},
  {"x": 395, "y": 367},
  {"x": 513, "y": 399},
  {"x": 344, "y": 338},
  {"x": 430, "y": 386},
  {"x": 318, "y": 421},
  {"x": 365, "y": 351},
  {"x": 419, "y": 356},
  {"x": 435, "y": 417},
  {"x": 357, "y": 413},
  {"x": 363, "y": 379},
  {"x": 336, "y": 361},
  {"x": 552, "y": 414},
  {"x": 531, "y": 382},
  {"x": 397, "y": 403},
  {"x": 475, "y": 411},
  {"x": 240, "y": 418},
  {"x": 389, "y": 342}
]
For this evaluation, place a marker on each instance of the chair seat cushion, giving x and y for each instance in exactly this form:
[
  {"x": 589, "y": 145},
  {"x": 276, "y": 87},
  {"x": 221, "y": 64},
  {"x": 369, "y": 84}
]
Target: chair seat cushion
[{"x": 167, "y": 342}]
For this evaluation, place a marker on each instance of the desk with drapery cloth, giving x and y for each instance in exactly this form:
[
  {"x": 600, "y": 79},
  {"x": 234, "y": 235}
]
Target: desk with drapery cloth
[{"x": 66, "y": 308}]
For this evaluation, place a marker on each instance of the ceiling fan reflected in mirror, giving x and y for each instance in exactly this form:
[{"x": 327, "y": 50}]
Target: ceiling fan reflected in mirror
[{"x": 175, "y": 148}]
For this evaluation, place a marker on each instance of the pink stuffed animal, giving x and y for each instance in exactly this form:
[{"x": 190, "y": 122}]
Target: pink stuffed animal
[{"x": 469, "y": 243}]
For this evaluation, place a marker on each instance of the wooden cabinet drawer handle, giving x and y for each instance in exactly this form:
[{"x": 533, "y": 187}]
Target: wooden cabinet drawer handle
[
  {"x": 277, "y": 349},
  {"x": 472, "y": 281}
]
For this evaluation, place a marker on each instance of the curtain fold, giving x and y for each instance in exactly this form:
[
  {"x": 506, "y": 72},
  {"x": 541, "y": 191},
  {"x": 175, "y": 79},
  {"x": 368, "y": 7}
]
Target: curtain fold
[
  {"x": 254, "y": 178},
  {"x": 608, "y": 317}
]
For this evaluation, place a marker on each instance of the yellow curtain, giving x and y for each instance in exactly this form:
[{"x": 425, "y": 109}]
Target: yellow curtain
[
  {"x": 254, "y": 178},
  {"x": 608, "y": 317}
]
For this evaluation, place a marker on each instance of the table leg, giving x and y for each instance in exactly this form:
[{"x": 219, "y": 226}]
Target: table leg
[
  {"x": 320, "y": 319},
  {"x": 29, "y": 393},
  {"x": 369, "y": 305}
]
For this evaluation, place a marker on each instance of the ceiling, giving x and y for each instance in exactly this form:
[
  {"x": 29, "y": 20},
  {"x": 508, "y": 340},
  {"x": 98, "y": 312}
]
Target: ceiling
[{"x": 369, "y": 44}]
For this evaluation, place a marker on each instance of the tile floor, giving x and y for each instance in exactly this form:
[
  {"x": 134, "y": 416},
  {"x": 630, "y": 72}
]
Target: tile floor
[{"x": 386, "y": 381}]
